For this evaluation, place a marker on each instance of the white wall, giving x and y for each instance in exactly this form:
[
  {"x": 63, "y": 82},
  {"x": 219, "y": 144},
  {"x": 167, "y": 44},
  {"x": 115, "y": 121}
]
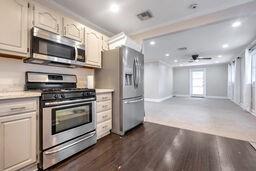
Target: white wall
[
  {"x": 216, "y": 80},
  {"x": 12, "y": 73},
  {"x": 158, "y": 81}
]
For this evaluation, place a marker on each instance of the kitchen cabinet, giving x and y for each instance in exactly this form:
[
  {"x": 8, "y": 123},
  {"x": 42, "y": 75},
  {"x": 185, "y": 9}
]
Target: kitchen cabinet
[
  {"x": 93, "y": 43},
  {"x": 105, "y": 42},
  {"x": 14, "y": 26},
  {"x": 46, "y": 19},
  {"x": 17, "y": 134},
  {"x": 104, "y": 114},
  {"x": 73, "y": 30}
]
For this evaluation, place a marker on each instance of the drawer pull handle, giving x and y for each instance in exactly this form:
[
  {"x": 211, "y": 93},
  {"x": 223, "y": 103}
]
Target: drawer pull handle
[
  {"x": 105, "y": 106},
  {"x": 105, "y": 116},
  {"x": 104, "y": 98},
  {"x": 18, "y": 108},
  {"x": 104, "y": 127}
]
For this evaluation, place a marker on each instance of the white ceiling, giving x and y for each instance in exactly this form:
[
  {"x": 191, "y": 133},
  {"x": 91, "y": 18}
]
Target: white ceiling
[
  {"x": 164, "y": 12},
  {"x": 206, "y": 41}
]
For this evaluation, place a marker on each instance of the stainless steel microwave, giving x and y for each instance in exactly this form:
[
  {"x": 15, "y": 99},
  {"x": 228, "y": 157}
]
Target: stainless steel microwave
[{"x": 52, "y": 49}]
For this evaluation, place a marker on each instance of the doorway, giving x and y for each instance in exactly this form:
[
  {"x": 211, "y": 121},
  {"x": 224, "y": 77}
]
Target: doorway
[{"x": 197, "y": 83}]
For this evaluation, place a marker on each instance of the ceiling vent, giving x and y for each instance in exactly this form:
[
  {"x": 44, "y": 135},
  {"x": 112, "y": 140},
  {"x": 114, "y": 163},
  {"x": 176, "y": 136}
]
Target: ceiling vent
[
  {"x": 193, "y": 6},
  {"x": 145, "y": 15},
  {"x": 182, "y": 48}
]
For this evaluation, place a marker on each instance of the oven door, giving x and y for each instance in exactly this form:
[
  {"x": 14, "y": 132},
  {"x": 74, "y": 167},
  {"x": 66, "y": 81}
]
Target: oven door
[{"x": 66, "y": 122}]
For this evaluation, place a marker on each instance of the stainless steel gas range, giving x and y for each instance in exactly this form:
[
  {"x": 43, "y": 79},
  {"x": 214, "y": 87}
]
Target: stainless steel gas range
[{"x": 67, "y": 116}]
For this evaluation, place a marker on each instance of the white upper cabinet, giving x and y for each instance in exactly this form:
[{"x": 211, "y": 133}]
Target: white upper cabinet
[
  {"x": 105, "y": 42},
  {"x": 46, "y": 19},
  {"x": 14, "y": 27},
  {"x": 73, "y": 29},
  {"x": 93, "y": 42}
]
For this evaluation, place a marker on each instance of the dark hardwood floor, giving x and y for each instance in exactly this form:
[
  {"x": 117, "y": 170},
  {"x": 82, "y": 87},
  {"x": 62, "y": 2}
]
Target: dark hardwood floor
[{"x": 153, "y": 147}]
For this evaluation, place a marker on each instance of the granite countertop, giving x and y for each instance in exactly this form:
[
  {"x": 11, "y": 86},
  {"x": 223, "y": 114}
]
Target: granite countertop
[
  {"x": 98, "y": 91},
  {"x": 19, "y": 94},
  {"x": 26, "y": 94}
]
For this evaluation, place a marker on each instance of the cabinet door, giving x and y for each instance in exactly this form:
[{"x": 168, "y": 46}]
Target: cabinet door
[
  {"x": 105, "y": 43},
  {"x": 46, "y": 19},
  {"x": 73, "y": 29},
  {"x": 17, "y": 141},
  {"x": 93, "y": 41},
  {"x": 13, "y": 30}
]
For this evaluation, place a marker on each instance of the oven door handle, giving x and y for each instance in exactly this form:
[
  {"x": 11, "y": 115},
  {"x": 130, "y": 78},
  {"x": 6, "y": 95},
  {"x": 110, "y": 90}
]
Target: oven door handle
[
  {"x": 69, "y": 102},
  {"x": 70, "y": 145}
]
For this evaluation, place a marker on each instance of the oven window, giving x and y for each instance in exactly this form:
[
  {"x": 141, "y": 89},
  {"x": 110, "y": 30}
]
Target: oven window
[
  {"x": 50, "y": 48},
  {"x": 70, "y": 117}
]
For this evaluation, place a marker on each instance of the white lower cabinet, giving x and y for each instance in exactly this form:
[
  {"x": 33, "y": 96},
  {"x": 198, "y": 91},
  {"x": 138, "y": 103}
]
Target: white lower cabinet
[
  {"x": 104, "y": 114},
  {"x": 17, "y": 137}
]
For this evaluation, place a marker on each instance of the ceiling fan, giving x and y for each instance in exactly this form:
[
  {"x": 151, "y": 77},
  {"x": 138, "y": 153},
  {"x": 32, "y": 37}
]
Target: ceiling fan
[{"x": 196, "y": 58}]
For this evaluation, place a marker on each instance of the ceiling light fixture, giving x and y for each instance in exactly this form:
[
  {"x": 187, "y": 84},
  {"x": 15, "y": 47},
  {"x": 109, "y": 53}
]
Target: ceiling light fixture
[
  {"x": 225, "y": 46},
  {"x": 217, "y": 62},
  {"x": 181, "y": 64},
  {"x": 219, "y": 56},
  {"x": 152, "y": 42},
  {"x": 167, "y": 54},
  {"x": 114, "y": 8},
  {"x": 236, "y": 24},
  {"x": 175, "y": 60}
]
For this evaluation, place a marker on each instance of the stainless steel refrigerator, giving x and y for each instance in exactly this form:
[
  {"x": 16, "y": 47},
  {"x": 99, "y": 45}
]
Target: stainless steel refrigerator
[{"x": 123, "y": 71}]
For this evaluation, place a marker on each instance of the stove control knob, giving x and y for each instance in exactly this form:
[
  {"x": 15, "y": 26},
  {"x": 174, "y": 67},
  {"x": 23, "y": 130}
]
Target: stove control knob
[
  {"x": 56, "y": 96},
  {"x": 63, "y": 96},
  {"x": 85, "y": 94}
]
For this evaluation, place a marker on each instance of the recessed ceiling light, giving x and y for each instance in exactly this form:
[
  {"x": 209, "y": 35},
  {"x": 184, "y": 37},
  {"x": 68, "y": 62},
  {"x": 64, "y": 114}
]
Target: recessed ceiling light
[
  {"x": 114, "y": 8},
  {"x": 167, "y": 54},
  {"x": 219, "y": 56},
  {"x": 225, "y": 46},
  {"x": 175, "y": 60},
  {"x": 236, "y": 24},
  {"x": 217, "y": 62},
  {"x": 197, "y": 60},
  {"x": 152, "y": 42},
  {"x": 181, "y": 64}
]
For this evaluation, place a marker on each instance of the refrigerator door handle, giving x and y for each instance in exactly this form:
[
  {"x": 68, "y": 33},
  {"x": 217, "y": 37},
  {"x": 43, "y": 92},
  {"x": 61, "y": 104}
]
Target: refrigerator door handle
[
  {"x": 138, "y": 72},
  {"x": 134, "y": 101},
  {"x": 135, "y": 73}
]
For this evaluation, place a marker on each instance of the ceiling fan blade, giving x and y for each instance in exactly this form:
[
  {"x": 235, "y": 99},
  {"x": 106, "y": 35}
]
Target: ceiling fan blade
[{"x": 205, "y": 58}]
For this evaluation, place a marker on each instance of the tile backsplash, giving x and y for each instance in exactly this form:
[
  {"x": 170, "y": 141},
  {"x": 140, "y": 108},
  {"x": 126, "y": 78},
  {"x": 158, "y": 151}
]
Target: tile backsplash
[{"x": 12, "y": 73}]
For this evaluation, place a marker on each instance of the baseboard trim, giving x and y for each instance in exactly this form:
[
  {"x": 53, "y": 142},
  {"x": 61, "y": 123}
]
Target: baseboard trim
[
  {"x": 253, "y": 112},
  {"x": 208, "y": 97},
  {"x": 216, "y": 97},
  {"x": 182, "y": 95},
  {"x": 158, "y": 100}
]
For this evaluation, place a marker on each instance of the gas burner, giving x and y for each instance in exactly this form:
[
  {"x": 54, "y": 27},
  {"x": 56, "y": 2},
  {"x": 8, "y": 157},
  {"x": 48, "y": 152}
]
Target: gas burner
[{"x": 54, "y": 90}]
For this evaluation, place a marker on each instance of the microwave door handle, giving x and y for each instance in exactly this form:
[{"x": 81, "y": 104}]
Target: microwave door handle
[{"x": 76, "y": 53}]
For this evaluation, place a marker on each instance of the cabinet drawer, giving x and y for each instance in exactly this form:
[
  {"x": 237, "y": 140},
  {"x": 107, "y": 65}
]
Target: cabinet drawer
[
  {"x": 104, "y": 106},
  {"x": 104, "y": 127},
  {"x": 10, "y": 107},
  {"x": 104, "y": 97},
  {"x": 104, "y": 116}
]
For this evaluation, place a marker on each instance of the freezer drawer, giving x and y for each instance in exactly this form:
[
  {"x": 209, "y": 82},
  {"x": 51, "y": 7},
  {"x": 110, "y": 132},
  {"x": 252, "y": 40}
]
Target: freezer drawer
[{"x": 133, "y": 113}]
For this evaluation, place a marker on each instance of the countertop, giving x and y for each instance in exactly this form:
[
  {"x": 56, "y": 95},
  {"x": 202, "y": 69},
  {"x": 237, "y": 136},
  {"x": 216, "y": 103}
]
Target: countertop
[
  {"x": 26, "y": 94},
  {"x": 18, "y": 94},
  {"x": 98, "y": 91}
]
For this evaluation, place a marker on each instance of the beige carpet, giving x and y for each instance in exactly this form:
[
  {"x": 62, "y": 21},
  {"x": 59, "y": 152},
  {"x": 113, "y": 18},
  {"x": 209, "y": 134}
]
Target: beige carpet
[{"x": 213, "y": 116}]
